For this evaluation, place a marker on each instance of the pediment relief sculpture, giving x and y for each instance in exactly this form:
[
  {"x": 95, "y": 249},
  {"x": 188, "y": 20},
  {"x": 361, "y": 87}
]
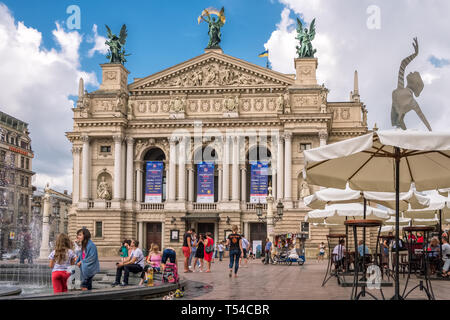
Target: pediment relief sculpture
[{"x": 210, "y": 75}]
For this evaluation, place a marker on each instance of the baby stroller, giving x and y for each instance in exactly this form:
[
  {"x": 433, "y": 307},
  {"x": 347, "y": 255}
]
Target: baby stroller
[{"x": 170, "y": 273}]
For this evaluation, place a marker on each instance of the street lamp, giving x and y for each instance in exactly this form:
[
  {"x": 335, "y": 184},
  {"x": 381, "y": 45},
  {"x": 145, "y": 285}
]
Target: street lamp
[
  {"x": 280, "y": 208},
  {"x": 259, "y": 214}
]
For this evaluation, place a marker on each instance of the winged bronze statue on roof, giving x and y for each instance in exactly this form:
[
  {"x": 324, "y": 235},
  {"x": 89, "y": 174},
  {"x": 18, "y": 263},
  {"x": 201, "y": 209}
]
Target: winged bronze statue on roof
[
  {"x": 305, "y": 37},
  {"x": 214, "y": 24},
  {"x": 116, "y": 44}
]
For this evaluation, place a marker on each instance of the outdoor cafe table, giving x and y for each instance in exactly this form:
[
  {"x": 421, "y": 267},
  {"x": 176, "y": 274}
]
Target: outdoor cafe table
[{"x": 355, "y": 224}]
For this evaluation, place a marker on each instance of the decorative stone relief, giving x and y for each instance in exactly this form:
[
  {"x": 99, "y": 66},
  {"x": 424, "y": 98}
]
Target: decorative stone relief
[
  {"x": 231, "y": 104},
  {"x": 165, "y": 106},
  {"x": 259, "y": 104},
  {"x": 140, "y": 144},
  {"x": 193, "y": 105},
  {"x": 271, "y": 104},
  {"x": 246, "y": 104},
  {"x": 211, "y": 74},
  {"x": 154, "y": 106},
  {"x": 104, "y": 189},
  {"x": 217, "y": 106},
  {"x": 345, "y": 113},
  {"x": 178, "y": 105},
  {"x": 205, "y": 105}
]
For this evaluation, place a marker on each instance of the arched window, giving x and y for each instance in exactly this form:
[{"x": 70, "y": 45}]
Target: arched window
[
  {"x": 155, "y": 154},
  {"x": 261, "y": 154},
  {"x": 206, "y": 154}
]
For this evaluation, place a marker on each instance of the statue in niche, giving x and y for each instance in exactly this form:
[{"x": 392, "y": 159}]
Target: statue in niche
[
  {"x": 103, "y": 190},
  {"x": 280, "y": 103},
  {"x": 403, "y": 98},
  {"x": 304, "y": 189}
]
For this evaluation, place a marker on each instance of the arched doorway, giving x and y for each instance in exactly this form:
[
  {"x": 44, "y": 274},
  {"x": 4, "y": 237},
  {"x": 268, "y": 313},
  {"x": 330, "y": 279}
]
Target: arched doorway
[
  {"x": 155, "y": 154},
  {"x": 257, "y": 154},
  {"x": 206, "y": 154}
]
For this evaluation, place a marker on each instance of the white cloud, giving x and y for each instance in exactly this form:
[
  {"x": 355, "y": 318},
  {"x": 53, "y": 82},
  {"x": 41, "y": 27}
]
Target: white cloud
[
  {"x": 344, "y": 44},
  {"x": 99, "y": 41},
  {"x": 36, "y": 84}
]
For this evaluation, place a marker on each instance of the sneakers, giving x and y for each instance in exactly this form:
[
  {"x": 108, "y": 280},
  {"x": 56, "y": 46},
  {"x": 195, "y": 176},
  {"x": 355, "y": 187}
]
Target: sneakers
[
  {"x": 230, "y": 273},
  {"x": 123, "y": 284},
  {"x": 114, "y": 284}
]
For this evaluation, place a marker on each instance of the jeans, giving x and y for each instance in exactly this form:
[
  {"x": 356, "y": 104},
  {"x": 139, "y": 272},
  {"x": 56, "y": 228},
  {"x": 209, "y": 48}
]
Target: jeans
[
  {"x": 220, "y": 255},
  {"x": 234, "y": 259},
  {"x": 192, "y": 255},
  {"x": 446, "y": 265},
  {"x": 86, "y": 283},
  {"x": 135, "y": 268},
  {"x": 268, "y": 257}
]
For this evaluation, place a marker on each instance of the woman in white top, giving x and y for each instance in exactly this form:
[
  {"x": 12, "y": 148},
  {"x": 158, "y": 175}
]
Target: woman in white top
[
  {"x": 321, "y": 254},
  {"x": 60, "y": 260}
]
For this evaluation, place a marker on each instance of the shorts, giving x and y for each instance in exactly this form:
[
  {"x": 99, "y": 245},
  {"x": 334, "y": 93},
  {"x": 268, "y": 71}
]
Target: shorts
[
  {"x": 244, "y": 255},
  {"x": 321, "y": 253},
  {"x": 186, "y": 252}
]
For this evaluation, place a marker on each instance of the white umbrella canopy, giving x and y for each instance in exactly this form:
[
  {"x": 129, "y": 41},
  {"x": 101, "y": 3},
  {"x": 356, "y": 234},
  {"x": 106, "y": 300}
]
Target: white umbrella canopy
[
  {"x": 426, "y": 222},
  {"x": 389, "y": 228},
  {"x": 336, "y": 213},
  {"x": 367, "y": 162},
  {"x": 402, "y": 221},
  {"x": 444, "y": 192},
  {"x": 436, "y": 203},
  {"x": 328, "y": 196}
]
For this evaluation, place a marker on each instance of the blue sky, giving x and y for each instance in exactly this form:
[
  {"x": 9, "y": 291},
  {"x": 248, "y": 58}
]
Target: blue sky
[
  {"x": 160, "y": 33},
  {"x": 45, "y": 59}
]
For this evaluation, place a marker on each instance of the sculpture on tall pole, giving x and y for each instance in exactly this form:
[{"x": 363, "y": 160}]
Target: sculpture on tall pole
[
  {"x": 305, "y": 37},
  {"x": 403, "y": 98},
  {"x": 214, "y": 25}
]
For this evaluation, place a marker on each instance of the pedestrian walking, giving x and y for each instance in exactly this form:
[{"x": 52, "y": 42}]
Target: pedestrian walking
[
  {"x": 60, "y": 260},
  {"x": 234, "y": 241},
  {"x": 321, "y": 254},
  {"x": 245, "y": 245},
  {"x": 267, "y": 250},
  {"x": 87, "y": 259},
  {"x": 200, "y": 253},
  {"x": 221, "y": 248},
  {"x": 209, "y": 250}
]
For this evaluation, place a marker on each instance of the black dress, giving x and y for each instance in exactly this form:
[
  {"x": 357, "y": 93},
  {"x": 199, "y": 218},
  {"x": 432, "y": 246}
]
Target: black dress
[{"x": 200, "y": 253}]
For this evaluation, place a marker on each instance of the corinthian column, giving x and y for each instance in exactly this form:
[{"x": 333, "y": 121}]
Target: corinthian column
[
  {"x": 226, "y": 169},
  {"x": 191, "y": 183},
  {"x": 85, "y": 168},
  {"x": 182, "y": 170},
  {"x": 280, "y": 168},
  {"x": 235, "y": 169},
  {"x": 243, "y": 183},
  {"x": 139, "y": 174},
  {"x": 129, "y": 189},
  {"x": 45, "y": 250},
  {"x": 288, "y": 166},
  {"x": 172, "y": 168},
  {"x": 76, "y": 175},
  {"x": 117, "y": 166}
]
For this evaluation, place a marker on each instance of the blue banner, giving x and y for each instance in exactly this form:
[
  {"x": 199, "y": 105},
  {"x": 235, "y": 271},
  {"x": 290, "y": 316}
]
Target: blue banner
[
  {"x": 205, "y": 182},
  {"x": 259, "y": 179},
  {"x": 154, "y": 181}
]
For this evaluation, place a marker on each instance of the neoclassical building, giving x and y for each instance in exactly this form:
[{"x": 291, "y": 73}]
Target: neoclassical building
[{"x": 179, "y": 148}]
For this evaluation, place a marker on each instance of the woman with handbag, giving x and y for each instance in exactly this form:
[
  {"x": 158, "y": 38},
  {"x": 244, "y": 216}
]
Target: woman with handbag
[
  {"x": 200, "y": 253},
  {"x": 209, "y": 250}
]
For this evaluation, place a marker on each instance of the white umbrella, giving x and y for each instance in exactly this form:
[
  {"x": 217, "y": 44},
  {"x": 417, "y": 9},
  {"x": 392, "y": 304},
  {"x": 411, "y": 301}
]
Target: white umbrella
[
  {"x": 402, "y": 221},
  {"x": 426, "y": 222},
  {"x": 386, "y": 161},
  {"x": 337, "y": 213},
  {"x": 437, "y": 203},
  {"x": 321, "y": 198},
  {"x": 444, "y": 192}
]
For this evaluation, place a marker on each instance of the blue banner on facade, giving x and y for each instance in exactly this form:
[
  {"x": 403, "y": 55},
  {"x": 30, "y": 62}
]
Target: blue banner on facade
[
  {"x": 205, "y": 182},
  {"x": 154, "y": 181},
  {"x": 259, "y": 179}
]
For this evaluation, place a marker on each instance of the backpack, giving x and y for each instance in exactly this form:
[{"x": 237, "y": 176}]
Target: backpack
[
  {"x": 209, "y": 248},
  {"x": 170, "y": 274}
]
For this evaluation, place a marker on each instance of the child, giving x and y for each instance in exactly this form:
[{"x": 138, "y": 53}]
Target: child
[
  {"x": 123, "y": 251},
  {"x": 60, "y": 260},
  {"x": 153, "y": 261},
  {"x": 221, "y": 248}
]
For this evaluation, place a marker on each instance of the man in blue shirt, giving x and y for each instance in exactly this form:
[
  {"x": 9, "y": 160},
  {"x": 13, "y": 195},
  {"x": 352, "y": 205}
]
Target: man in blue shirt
[
  {"x": 361, "y": 247},
  {"x": 267, "y": 251}
]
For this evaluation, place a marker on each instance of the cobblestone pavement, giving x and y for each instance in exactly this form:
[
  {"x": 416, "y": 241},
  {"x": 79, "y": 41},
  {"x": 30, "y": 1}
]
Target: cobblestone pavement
[{"x": 281, "y": 282}]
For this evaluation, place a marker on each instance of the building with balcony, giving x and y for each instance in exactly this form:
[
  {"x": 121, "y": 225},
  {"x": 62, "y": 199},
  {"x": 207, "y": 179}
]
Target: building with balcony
[
  {"x": 205, "y": 125},
  {"x": 16, "y": 158}
]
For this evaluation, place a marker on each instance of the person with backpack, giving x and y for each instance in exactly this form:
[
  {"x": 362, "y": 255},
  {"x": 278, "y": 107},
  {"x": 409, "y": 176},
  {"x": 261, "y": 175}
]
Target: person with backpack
[
  {"x": 134, "y": 263},
  {"x": 169, "y": 269},
  {"x": 209, "y": 250},
  {"x": 60, "y": 260},
  {"x": 234, "y": 241}
]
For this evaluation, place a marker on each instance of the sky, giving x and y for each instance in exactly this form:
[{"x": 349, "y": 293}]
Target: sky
[{"x": 43, "y": 53}]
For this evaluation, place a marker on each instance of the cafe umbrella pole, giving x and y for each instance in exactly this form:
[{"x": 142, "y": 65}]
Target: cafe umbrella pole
[{"x": 397, "y": 223}]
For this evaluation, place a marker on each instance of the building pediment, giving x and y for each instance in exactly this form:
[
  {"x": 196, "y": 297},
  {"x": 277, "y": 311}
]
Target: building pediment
[{"x": 212, "y": 70}]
